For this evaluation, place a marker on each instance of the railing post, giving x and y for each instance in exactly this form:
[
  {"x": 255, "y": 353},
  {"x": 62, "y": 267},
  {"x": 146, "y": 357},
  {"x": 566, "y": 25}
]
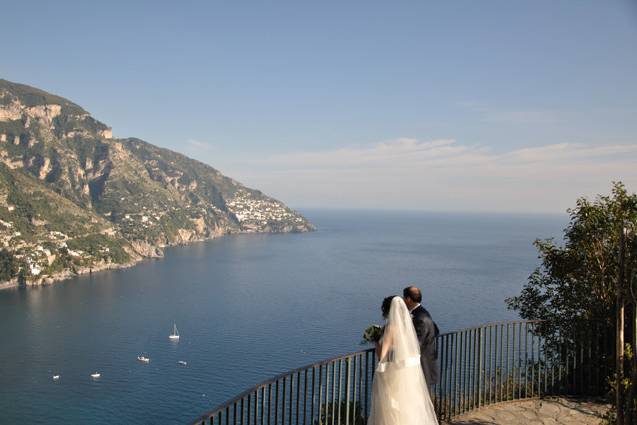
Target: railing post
[
  {"x": 269, "y": 403},
  {"x": 320, "y": 400},
  {"x": 499, "y": 381},
  {"x": 480, "y": 367},
  {"x": 489, "y": 372},
  {"x": 256, "y": 406},
  {"x": 283, "y": 401},
  {"x": 276, "y": 402},
  {"x": 510, "y": 370},
  {"x": 366, "y": 384},
  {"x": 339, "y": 390},
  {"x": 456, "y": 361},
  {"x": 347, "y": 390},
  {"x": 333, "y": 391},
  {"x": 520, "y": 360},
  {"x": 437, "y": 399},
  {"x": 354, "y": 389},
  {"x": 526, "y": 362},
  {"x": 313, "y": 396},
  {"x": 305, "y": 397},
  {"x": 298, "y": 396},
  {"x": 291, "y": 399},
  {"x": 242, "y": 414},
  {"x": 467, "y": 370}
]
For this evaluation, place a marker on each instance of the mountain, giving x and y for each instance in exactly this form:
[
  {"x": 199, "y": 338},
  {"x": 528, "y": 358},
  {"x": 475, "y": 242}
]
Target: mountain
[{"x": 74, "y": 199}]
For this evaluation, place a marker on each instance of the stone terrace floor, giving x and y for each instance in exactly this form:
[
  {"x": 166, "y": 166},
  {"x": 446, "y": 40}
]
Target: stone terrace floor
[{"x": 551, "y": 411}]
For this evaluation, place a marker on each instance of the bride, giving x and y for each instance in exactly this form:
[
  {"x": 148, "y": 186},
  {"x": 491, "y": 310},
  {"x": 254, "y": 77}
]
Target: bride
[{"x": 400, "y": 395}]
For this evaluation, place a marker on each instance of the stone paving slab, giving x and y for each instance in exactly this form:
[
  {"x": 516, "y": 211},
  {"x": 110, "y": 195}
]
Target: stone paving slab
[{"x": 553, "y": 411}]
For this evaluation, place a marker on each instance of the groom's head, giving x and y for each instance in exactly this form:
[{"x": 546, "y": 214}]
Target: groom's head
[{"x": 412, "y": 296}]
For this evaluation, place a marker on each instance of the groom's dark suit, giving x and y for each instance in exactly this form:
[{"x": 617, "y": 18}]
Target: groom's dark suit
[{"x": 427, "y": 331}]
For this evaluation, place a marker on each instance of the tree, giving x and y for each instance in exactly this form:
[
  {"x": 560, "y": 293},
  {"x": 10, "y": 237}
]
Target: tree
[
  {"x": 577, "y": 282},
  {"x": 8, "y": 266}
]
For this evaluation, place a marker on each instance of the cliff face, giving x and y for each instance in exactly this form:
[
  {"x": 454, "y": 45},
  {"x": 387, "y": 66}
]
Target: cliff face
[{"x": 73, "y": 198}]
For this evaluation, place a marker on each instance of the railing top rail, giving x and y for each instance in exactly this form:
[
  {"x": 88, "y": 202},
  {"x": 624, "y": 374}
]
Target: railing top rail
[
  {"x": 280, "y": 376},
  {"x": 275, "y": 379},
  {"x": 490, "y": 324}
]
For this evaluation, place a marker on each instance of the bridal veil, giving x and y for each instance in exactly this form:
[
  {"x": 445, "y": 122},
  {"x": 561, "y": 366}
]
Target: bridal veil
[{"x": 400, "y": 395}]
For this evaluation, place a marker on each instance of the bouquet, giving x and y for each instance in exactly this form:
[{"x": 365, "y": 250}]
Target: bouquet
[{"x": 372, "y": 334}]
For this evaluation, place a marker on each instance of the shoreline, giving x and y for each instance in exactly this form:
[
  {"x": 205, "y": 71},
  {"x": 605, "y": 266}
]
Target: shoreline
[{"x": 68, "y": 274}]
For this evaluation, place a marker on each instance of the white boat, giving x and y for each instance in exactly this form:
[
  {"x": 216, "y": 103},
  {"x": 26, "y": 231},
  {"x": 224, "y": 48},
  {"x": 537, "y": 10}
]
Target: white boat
[
  {"x": 183, "y": 363},
  {"x": 56, "y": 377},
  {"x": 175, "y": 335},
  {"x": 143, "y": 359},
  {"x": 96, "y": 375}
]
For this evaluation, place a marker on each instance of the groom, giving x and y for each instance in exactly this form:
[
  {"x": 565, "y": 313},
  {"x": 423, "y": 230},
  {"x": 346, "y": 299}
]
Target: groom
[{"x": 426, "y": 331}]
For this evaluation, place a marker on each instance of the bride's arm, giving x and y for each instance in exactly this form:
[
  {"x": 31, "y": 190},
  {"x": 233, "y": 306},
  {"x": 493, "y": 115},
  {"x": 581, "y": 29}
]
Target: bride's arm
[{"x": 382, "y": 347}]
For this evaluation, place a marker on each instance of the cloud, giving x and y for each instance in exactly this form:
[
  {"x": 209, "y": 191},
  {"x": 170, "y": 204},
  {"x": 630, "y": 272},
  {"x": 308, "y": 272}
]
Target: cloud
[
  {"x": 442, "y": 174},
  {"x": 400, "y": 151},
  {"x": 198, "y": 145},
  {"x": 570, "y": 152},
  {"x": 446, "y": 153}
]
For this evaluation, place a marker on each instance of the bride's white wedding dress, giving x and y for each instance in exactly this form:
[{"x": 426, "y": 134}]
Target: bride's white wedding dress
[{"x": 400, "y": 395}]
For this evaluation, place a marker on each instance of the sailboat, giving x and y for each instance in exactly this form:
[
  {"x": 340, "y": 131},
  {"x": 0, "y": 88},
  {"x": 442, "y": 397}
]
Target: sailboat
[{"x": 175, "y": 335}]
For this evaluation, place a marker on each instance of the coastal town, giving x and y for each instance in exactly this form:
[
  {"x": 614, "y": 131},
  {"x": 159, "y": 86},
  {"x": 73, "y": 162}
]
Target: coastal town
[{"x": 261, "y": 214}]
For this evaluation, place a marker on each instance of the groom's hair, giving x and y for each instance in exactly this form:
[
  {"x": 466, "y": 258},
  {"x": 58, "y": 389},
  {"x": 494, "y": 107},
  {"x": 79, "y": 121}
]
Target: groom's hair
[{"x": 413, "y": 293}]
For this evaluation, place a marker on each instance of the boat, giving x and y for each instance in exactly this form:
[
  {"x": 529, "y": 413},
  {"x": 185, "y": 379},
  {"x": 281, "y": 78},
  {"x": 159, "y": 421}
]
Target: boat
[
  {"x": 182, "y": 362},
  {"x": 175, "y": 335},
  {"x": 56, "y": 377},
  {"x": 143, "y": 359},
  {"x": 96, "y": 375}
]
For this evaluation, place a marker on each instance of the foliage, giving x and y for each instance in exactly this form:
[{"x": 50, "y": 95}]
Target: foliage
[
  {"x": 100, "y": 247},
  {"x": 24, "y": 207},
  {"x": 8, "y": 265},
  {"x": 331, "y": 412},
  {"x": 577, "y": 282}
]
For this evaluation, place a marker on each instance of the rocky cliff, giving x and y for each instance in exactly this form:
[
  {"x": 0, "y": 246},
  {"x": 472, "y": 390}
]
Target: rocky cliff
[{"x": 75, "y": 199}]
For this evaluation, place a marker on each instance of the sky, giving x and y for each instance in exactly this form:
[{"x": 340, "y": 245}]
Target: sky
[{"x": 503, "y": 106}]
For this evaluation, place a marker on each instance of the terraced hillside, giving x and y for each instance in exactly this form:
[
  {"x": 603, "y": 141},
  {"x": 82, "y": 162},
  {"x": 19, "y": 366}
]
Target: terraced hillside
[{"x": 74, "y": 199}]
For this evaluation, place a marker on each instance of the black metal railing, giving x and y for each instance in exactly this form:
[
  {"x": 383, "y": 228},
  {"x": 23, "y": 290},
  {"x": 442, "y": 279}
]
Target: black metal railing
[
  {"x": 507, "y": 361},
  {"x": 331, "y": 392},
  {"x": 479, "y": 366}
]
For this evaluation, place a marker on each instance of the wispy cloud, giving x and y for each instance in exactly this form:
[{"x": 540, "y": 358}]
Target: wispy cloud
[
  {"x": 398, "y": 152},
  {"x": 443, "y": 174},
  {"x": 446, "y": 153},
  {"x": 198, "y": 145}
]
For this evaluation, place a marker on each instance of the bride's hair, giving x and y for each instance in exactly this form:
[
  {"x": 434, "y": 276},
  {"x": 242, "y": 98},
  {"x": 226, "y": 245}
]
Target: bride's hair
[{"x": 386, "y": 305}]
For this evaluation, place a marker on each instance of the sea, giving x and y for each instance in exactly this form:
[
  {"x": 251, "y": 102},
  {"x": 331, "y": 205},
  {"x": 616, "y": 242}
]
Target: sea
[{"x": 247, "y": 307}]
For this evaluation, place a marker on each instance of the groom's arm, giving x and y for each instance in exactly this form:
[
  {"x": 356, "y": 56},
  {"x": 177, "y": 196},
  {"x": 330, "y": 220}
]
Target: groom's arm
[
  {"x": 421, "y": 330},
  {"x": 425, "y": 330}
]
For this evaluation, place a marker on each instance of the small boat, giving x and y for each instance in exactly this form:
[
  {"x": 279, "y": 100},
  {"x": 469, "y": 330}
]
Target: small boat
[
  {"x": 175, "y": 335},
  {"x": 96, "y": 375},
  {"x": 183, "y": 363},
  {"x": 143, "y": 359},
  {"x": 56, "y": 377}
]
